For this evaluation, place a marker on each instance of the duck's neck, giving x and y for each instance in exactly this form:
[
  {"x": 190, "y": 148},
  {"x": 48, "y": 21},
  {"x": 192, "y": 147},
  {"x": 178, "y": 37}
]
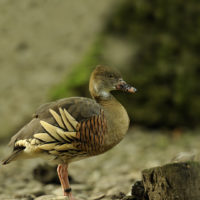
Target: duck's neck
[{"x": 116, "y": 117}]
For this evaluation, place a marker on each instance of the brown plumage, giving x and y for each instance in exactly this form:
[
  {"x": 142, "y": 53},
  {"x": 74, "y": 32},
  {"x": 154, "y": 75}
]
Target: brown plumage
[{"x": 75, "y": 128}]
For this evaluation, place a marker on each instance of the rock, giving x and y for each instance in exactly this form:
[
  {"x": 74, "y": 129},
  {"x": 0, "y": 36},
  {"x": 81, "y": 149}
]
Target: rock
[
  {"x": 129, "y": 198},
  {"x": 118, "y": 196},
  {"x": 46, "y": 174},
  {"x": 175, "y": 181},
  {"x": 98, "y": 197},
  {"x": 25, "y": 197},
  {"x": 52, "y": 197},
  {"x": 184, "y": 157},
  {"x": 138, "y": 191}
]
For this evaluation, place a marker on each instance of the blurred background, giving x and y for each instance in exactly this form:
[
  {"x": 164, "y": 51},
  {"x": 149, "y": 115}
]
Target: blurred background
[{"x": 49, "y": 48}]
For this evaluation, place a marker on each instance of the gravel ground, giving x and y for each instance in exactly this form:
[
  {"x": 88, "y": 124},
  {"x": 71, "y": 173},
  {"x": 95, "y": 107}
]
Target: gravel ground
[{"x": 102, "y": 177}]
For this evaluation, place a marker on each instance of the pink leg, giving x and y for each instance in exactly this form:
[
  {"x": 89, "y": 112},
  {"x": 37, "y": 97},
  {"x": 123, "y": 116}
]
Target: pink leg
[{"x": 63, "y": 176}]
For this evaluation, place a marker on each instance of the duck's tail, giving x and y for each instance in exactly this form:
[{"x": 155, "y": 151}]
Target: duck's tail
[{"x": 12, "y": 157}]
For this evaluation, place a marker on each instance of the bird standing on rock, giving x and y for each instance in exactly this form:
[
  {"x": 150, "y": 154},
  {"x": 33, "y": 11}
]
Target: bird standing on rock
[{"x": 74, "y": 128}]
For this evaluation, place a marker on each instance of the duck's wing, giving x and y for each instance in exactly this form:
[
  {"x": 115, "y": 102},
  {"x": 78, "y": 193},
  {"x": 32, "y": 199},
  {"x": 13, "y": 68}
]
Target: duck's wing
[{"x": 66, "y": 129}]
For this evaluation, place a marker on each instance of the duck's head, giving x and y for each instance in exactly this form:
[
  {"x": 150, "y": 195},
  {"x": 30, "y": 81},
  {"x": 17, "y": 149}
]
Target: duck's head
[{"x": 105, "y": 79}]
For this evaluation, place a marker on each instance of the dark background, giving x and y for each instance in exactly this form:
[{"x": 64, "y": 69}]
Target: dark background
[{"x": 163, "y": 39}]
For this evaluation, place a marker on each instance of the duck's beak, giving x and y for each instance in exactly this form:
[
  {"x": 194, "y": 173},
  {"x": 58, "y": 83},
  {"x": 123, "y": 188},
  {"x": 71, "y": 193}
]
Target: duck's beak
[{"x": 122, "y": 85}]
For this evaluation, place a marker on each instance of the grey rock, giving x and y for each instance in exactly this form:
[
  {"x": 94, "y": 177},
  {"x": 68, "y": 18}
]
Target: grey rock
[{"x": 51, "y": 197}]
